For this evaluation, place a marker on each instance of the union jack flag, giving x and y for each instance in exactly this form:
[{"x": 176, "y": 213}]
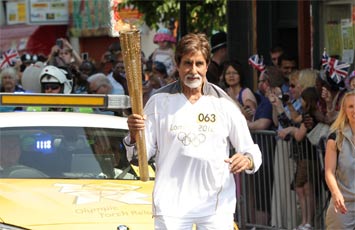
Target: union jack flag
[
  {"x": 257, "y": 62},
  {"x": 325, "y": 58},
  {"x": 338, "y": 70},
  {"x": 9, "y": 58}
]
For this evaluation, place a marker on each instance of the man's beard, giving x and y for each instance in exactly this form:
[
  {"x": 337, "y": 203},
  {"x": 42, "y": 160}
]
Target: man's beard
[{"x": 194, "y": 83}]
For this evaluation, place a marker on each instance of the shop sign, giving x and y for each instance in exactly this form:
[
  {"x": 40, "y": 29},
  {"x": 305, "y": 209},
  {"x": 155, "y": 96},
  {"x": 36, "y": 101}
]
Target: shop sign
[
  {"x": 48, "y": 12},
  {"x": 16, "y": 12}
]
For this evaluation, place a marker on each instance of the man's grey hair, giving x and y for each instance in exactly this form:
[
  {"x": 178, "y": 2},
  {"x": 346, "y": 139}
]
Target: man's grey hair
[{"x": 99, "y": 79}]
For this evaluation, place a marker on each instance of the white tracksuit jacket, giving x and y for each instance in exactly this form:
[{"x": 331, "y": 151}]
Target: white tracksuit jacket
[{"x": 190, "y": 143}]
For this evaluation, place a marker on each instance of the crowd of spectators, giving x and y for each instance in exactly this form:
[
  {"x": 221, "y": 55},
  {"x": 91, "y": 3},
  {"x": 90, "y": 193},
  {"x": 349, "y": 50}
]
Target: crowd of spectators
[
  {"x": 65, "y": 71},
  {"x": 289, "y": 100}
]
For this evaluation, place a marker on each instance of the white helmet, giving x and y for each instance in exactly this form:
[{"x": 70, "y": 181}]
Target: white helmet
[{"x": 52, "y": 74}]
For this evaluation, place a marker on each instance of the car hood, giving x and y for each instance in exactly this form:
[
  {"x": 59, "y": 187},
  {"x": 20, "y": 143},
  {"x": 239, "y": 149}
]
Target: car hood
[{"x": 76, "y": 204}]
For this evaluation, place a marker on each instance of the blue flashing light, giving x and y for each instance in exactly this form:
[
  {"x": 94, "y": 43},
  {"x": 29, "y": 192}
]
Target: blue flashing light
[{"x": 43, "y": 143}]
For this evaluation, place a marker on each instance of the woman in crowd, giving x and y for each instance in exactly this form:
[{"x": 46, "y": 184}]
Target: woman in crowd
[
  {"x": 9, "y": 81},
  {"x": 306, "y": 167},
  {"x": 340, "y": 167},
  {"x": 331, "y": 93},
  {"x": 234, "y": 80}
]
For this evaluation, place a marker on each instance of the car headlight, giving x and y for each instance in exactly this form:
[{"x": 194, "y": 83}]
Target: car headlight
[{"x": 9, "y": 227}]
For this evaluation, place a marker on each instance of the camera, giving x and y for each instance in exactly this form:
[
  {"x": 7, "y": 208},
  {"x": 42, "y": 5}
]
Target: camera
[
  {"x": 59, "y": 43},
  {"x": 284, "y": 98},
  {"x": 85, "y": 56},
  {"x": 109, "y": 57}
]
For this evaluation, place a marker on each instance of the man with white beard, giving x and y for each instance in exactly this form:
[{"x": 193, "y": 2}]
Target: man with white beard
[{"x": 190, "y": 126}]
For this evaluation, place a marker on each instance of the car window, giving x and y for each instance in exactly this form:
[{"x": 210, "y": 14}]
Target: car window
[{"x": 63, "y": 152}]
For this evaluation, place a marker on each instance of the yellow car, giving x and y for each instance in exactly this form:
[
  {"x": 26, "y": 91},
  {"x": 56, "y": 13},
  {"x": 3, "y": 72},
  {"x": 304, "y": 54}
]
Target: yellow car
[{"x": 68, "y": 170}]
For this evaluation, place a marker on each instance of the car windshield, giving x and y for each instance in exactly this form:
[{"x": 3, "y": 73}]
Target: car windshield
[{"x": 63, "y": 152}]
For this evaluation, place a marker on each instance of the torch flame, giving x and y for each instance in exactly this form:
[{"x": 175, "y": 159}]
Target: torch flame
[{"x": 117, "y": 23}]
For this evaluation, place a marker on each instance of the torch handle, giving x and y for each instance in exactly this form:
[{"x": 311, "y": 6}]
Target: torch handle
[
  {"x": 142, "y": 157},
  {"x": 130, "y": 44}
]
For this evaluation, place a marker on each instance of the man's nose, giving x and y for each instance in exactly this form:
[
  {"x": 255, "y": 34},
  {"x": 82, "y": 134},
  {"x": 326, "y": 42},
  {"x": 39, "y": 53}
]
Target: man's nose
[{"x": 194, "y": 69}]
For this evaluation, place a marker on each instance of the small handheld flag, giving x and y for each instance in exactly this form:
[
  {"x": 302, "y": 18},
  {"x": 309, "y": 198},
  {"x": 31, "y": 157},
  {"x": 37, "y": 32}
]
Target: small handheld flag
[
  {"x": 9, "y": 58},
  {"x": 325, "y": 58},
  {"x": 338, "y": 70},
  {"x": 257, "y": 62}
]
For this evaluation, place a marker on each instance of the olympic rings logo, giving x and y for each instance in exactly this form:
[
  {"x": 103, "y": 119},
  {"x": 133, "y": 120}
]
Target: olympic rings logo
[{"x": 191, "y": 138}]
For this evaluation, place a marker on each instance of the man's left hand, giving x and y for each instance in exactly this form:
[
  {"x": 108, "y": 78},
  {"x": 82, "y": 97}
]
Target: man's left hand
[{"x": 239, "y": 163}]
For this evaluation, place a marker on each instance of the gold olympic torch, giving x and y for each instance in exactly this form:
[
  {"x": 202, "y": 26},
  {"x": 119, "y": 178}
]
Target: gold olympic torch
[{"x": 131, "y": 47}]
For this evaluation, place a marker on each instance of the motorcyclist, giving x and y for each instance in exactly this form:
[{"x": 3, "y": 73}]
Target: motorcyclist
[
  {"x": 59, "y": 81},
  {"x": 55, "y": 80}
]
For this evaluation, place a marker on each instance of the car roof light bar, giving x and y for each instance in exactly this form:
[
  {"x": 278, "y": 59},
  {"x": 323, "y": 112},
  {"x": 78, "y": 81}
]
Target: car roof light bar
[{"x": 109, "y": 101}]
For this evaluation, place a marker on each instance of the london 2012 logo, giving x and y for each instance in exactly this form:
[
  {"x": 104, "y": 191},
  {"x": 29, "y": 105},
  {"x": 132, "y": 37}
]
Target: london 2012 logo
[{"x": 191, "y": 138}]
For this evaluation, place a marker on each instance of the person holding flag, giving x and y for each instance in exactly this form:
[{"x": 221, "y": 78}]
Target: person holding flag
[{"x": 333, "y": 75}]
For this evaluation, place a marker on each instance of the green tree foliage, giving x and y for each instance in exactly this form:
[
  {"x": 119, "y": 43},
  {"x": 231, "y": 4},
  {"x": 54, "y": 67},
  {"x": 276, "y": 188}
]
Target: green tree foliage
[{"x": 201, "y": 15}]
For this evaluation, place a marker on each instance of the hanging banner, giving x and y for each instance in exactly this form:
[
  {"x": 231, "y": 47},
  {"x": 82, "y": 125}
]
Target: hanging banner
[
  {"x": 333, "y": 38},
  {"x": 347, "y": 40},
  {"x": 89, "y": 18}
]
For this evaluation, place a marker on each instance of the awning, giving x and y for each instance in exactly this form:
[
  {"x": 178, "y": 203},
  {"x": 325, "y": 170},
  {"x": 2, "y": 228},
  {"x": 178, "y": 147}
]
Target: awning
[
  {"x": 31, "y": 39},
  {"x": 43, "y": 39}
]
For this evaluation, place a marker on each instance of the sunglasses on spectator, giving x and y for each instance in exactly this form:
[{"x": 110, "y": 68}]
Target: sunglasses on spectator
[
  {"x": 52, "y": 86},
  {"x": 95, "y": 90},
  {"x": 232, "y": 73},
  {"x": 292, "y": 86},
  {"x": 64, "y": 53},
  {"x": 261, "y": 80}
]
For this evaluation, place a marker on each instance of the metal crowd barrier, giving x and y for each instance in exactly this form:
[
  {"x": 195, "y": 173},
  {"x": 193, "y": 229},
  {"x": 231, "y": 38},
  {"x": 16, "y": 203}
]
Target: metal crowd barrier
[{"x": 268, "y": 199}]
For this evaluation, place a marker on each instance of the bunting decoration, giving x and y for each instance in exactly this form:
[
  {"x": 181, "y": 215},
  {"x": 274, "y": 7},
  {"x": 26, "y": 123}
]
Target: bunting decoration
[
  {"x": 257, "y": 62},
  {"x": 9, "y": 58}
]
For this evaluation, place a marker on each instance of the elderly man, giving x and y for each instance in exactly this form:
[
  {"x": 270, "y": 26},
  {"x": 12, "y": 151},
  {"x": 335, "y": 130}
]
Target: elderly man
[
  {"x": 100, "y": 84},
  {"x": 190, "y": 126}
]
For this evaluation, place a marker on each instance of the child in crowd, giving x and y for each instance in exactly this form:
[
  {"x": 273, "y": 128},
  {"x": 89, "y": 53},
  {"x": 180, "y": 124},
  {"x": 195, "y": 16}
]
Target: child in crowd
[
  {"x": 350, "y": 81},
  {"x": 165, "y": 52}
]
